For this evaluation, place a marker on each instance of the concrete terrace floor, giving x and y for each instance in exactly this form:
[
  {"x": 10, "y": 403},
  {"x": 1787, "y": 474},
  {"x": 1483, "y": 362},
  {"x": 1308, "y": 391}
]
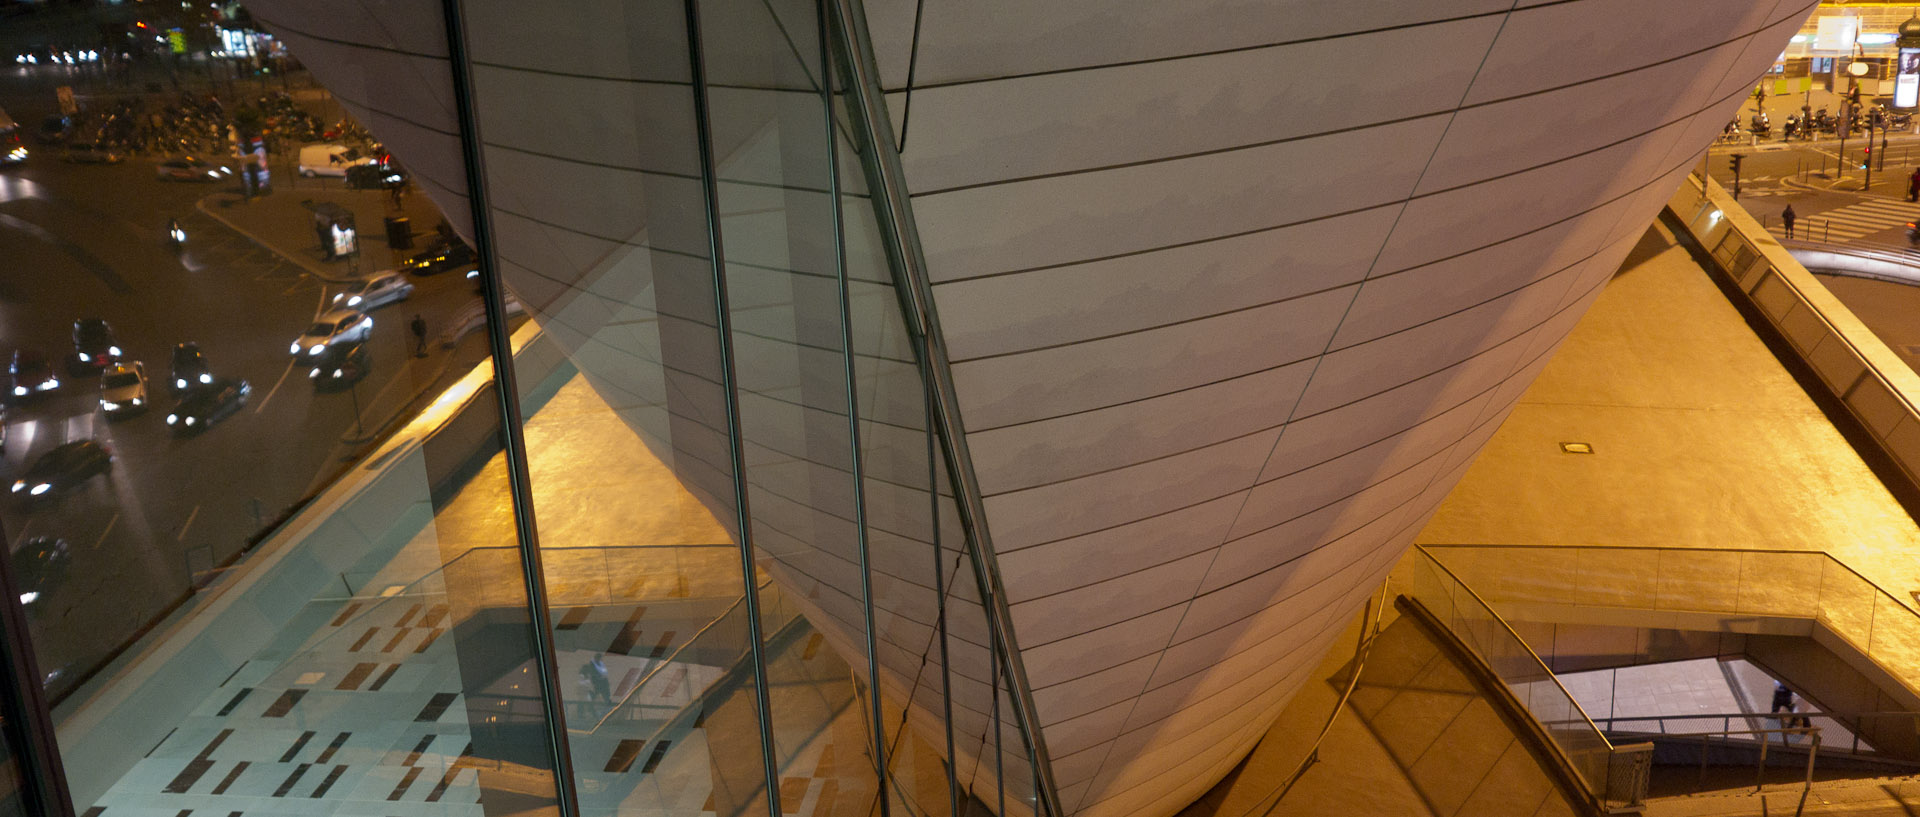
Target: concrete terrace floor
[{"x": 1701, "y": 439}]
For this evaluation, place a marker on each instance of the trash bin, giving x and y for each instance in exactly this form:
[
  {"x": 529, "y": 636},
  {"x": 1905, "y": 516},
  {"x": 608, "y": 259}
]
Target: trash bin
[{"x": 399, "y": 232}]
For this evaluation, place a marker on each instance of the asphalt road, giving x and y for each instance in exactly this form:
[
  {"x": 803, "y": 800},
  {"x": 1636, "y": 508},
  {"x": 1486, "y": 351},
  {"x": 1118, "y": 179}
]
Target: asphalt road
[
  {"x": 1812, "y": 178},
  {"x": 88, "y": 241}
]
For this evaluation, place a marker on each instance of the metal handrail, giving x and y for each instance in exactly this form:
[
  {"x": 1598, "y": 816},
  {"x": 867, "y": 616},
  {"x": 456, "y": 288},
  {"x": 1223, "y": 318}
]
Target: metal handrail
[
  {"x": 1831, "y": 715},
  {"x": 1362, "y": 652},
  {"x": 1708, "y": 188},
  {"x": 1682, "y": 549},
  {"x": 665, "y": 662},
  {"x": 1523, "y": 645}
]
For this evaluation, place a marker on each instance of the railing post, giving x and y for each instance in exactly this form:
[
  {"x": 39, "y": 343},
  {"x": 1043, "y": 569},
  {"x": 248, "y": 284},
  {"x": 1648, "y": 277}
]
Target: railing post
[
  {"x": 1759, "y": 772},
  {"x": 1806, "y": 788}
]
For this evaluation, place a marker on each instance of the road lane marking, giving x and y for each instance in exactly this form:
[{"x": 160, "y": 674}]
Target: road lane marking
[
  {"x": 183, "y": 528},
  {"x": 103, "y": 534},
  {"x": 276, "y": 387}
]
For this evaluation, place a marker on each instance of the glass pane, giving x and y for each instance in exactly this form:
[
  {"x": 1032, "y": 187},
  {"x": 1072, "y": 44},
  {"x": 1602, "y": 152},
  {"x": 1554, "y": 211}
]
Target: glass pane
[
  {"x": 774, "y": 169},
  {"x": 275, "y": 553},
  {"x": 599, "y": 212}
]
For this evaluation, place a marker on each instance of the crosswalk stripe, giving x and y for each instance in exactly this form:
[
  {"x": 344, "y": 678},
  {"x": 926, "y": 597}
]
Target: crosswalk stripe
[
  {"x": 1861, "y": 225},
  {"x": 1899, "y": 206},
  {"x": 1872, "y": 225}
]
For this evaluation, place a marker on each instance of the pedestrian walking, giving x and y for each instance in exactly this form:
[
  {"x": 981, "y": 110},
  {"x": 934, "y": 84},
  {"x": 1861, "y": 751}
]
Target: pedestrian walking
[
  {"x": 1783, "y": 702},
  {"x": 594, "y": 673},
  {"x": 323, "y": 230},
  {"x": 419, "y": 327},
  {"x": 1786, "y": 219},
  {"x": 1913, "y": 185}
]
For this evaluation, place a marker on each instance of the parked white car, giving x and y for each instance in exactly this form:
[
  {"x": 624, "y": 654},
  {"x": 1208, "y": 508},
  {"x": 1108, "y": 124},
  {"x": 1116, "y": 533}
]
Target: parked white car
[{"x": 330, "y": 160}]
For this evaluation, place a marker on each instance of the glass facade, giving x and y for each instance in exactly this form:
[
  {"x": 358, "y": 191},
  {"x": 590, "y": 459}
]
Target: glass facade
[{"x": 641, "y": 505}]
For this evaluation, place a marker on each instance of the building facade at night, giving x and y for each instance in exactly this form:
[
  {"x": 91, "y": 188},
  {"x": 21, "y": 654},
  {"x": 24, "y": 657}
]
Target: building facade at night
[{"x": 939, "y": 409}]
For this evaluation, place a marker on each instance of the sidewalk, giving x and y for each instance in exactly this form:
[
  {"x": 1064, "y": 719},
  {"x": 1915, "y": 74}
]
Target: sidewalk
[{"x": 282, "y": 222}]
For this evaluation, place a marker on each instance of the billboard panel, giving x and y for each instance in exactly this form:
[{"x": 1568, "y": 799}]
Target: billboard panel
[
  {"x": 1906, "y": 79},
  {"x": 1837, "y": 33}
]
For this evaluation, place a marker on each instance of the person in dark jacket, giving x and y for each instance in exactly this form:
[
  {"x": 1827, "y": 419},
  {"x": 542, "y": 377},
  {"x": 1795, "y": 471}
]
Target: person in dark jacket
[{"x": 1786, "y": 219}]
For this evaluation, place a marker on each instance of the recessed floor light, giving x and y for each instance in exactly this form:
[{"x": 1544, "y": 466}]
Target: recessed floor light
[
  {"x": 1576, "y": 448},
  {"x": 309, "y": 679}
]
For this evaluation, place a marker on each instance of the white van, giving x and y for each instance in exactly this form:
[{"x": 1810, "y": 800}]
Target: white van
[{"x": 330, "y": 160}]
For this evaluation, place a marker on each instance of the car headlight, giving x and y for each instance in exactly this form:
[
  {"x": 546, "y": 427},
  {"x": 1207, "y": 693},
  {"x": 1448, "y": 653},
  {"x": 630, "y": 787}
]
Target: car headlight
[
  {"x": 41, "y": 488},
  {"x": 206, "y": 378},
  {"x": 336, "y": 372},
  {"x": 113, "y": 350},
  {"x": 84, "y": 357},
  {"x": 109, "y": 405},
  {"x": 19, "y": 391},
  {"x": 213, "y": 174},
  {"x": 353, "y": 301},
  {"x": 138, "y": 401},
  {"x": 179, "y": 382},
  {"x": 19, "y": 486},
  {"x": 312, "y": 373},
  {"x": 473, "y": 273},
  {"x": 173, "y": 418},
  {"x": 189, "y": 421},
  {"x": 316, "y": 348},
  {"x": 29, "y": 597},
  {"x": 295, "y": 349},
  {"x": 52, "y": 383}
]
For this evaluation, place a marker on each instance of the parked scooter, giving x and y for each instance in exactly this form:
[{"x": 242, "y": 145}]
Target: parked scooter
[{"x": 1760, "y": 126}]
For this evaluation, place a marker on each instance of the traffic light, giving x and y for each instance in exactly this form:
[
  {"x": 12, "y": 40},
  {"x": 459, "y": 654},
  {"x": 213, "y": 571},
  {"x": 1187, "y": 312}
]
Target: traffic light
[
  {"x": 1866, "y": 156},
  {"x": 1734, "y": 163}
]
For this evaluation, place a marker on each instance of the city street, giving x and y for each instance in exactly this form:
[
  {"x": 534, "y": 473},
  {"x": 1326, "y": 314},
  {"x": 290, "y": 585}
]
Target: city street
[
  {"x": 89, "y": 241},
  {"x": 1827, "y": 197}
]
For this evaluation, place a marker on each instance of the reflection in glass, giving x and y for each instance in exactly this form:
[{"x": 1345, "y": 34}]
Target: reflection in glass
[
  {"x": 273, "y": 557},
  {"x": 297, "y": 576}
]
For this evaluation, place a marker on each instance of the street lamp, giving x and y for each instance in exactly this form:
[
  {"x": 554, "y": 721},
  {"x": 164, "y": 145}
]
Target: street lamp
[{"x": 1855, "y": 70}]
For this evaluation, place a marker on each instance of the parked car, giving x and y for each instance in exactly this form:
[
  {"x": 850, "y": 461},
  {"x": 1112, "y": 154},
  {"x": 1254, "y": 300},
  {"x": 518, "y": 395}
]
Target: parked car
[
  {"x": 90, "y": 153},
  {"x": 189, "y": 367},
  {"x": 379, "y": 290},
  {"x": 330, "y": 160},
  {"x": 94, "y": 345},
  {"x": 340, "y": 365},
  {"x": 205, "y": 405},
  {"x": 39, "y": 566},
  {"x": 32, "y": 374},
  {"x": 64, "y": 468},
  {"x": 337, "y": 326},
  {"x": 439, "y": 258},
  {"x": 123, "y": 390},
  {"x": 190, "y": 169}
]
